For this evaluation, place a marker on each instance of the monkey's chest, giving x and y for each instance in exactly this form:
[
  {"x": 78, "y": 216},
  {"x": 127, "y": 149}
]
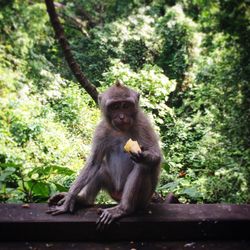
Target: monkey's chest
[{"x": 119, "y": 165}]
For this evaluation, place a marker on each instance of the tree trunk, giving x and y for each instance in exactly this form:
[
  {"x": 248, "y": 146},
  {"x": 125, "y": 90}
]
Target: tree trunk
[{"x": 74, "y": 66}]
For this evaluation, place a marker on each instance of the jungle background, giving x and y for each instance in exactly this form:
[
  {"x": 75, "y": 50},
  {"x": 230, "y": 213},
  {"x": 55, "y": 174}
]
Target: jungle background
[{"x": 188, "y": 59}]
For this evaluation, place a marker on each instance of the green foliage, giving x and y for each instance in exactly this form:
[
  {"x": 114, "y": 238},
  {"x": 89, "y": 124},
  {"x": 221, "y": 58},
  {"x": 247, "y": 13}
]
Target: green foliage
[
  {"x": 135, "y": 53},
  {"x": 129, "y": 39},
  {"x": 44, "y": 140},
  {"x": 194, "y": 51},
  {"x": 31, "y": 185},
  {"x": 176, "y": 34},
  {"x": 150, "y": 81}
]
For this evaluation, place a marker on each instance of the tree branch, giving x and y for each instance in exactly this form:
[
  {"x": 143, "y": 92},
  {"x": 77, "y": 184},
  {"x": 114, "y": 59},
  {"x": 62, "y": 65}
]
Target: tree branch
[{"x": 74, "y": 66}]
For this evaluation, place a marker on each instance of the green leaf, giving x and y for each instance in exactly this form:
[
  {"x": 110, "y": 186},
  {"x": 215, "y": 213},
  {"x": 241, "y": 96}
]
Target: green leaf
[
  {"x": 10, "y": 165},
  {"x": 191, "y": 192},
  {"x": 61, "y": 188},
  {"x": 50, "y": 170},
  {"x": 41, "y": 189},
  {"x": 6, "y": 173},
  {"x": 171, "y": 185}
]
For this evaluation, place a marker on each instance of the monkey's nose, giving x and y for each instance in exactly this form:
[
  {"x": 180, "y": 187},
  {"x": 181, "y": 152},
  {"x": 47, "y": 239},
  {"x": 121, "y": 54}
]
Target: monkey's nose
[{"x": 121, "y": 116}]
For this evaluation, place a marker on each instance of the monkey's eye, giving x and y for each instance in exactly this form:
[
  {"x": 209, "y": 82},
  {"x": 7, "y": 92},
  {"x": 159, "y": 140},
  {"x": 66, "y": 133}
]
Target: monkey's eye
[
  {"x": 115, "y": 106},
  {"x": 126, "y": 105}
]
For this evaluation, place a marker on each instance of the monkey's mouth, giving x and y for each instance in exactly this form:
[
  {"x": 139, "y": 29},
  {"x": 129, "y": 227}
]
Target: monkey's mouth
[{"x": 122, "y": 125}]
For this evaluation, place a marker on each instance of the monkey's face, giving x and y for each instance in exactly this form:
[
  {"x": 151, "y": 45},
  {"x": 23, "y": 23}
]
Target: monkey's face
[
  {"x": 121, "y": 114},
  {"x": 119, "y": 105}
]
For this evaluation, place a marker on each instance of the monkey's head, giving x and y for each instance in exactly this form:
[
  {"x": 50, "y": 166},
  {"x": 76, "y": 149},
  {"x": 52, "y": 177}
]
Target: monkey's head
[{"x": 119, "y": 105}]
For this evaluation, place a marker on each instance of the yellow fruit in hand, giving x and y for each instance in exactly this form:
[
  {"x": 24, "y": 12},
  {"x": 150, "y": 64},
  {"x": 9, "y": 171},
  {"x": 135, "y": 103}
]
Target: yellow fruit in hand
[{"x": 132, "y": 146}]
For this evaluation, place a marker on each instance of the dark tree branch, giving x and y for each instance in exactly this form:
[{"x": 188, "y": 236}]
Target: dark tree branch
[{"x": 74, "y": 66}]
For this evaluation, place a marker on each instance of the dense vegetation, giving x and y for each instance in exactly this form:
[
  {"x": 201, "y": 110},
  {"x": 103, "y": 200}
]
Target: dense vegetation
[{"x": 190, "y": 61}]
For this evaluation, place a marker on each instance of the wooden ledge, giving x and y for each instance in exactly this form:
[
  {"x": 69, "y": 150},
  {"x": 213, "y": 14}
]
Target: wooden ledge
[{"x": 158, "y": 222}]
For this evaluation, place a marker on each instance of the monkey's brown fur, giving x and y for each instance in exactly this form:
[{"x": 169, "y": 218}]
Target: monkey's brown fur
[{"x": 130, "y": 179}]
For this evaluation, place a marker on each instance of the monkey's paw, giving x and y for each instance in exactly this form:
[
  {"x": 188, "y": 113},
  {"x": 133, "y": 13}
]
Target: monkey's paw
[
  {"x": 65, "y": 205},
  {"x": 138, "y": 157},
  {"x": 57, "y": 199},
  {"x": 104, "y": 220},
  {"x": 107, "y": 216}
]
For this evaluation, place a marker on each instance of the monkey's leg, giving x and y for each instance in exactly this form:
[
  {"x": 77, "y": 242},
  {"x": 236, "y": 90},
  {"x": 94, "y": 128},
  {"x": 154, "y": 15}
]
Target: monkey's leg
[
  {"x": 88, "y": 194},
  {"x": 136, "y": 195}
]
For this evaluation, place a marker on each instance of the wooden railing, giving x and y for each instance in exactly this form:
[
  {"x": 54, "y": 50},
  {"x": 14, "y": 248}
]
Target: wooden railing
[{"x": 160, "y": 222}]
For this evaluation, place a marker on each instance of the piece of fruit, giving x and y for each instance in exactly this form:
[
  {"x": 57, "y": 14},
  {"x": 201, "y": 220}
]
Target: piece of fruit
[{"x": 132, "y": 146}]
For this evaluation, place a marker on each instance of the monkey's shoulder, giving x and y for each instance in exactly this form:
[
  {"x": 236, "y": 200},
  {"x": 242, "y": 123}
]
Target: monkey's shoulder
[
  {"x": 108, "y": 137},
  {"x": 102, "y": 130}
]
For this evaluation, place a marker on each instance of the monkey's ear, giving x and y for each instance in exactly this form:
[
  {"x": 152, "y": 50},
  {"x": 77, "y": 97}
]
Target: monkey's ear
[
  {"x": 118, "y": 83},
  {"x": 99, "y": 99},
  {"x": 138, "y": 96}
]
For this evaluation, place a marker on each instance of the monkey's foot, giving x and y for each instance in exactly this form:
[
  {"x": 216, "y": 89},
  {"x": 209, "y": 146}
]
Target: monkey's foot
[{"x": 107, "y": 216}]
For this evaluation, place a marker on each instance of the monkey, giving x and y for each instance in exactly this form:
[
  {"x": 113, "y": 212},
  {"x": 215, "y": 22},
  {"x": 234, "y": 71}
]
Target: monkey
[{"x": 129, "y": 178}]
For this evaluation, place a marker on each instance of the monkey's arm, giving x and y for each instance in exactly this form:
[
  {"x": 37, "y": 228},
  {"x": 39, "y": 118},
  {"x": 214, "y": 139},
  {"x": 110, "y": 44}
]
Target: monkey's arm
[
  {"x": 148, "y": 140},
  {"x": 89, "y": 171},
  {"x": 150, "y": 154},
  {"x": 148, "y": 157},
  {"x": 93, "y": 164}
]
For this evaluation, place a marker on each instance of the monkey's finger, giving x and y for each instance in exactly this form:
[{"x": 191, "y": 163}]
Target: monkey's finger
[
  {"x": 49, "y": 211},
  {"x": 72, "y": 207},
  {"x": 99, "y": 225},
  {"x": 135, "y": 159},
  {"x": 107, "y": 223},
  {"x": 134, "y": 154},
  {"x": 103, "y": 215},
  {"x": 58, "y": 211},
  {"x": 106, "y": 218},
  {"x": 103, "y": 219},
  {"x": 59, "y": 203},
  {"x": 137, "y": 156},
  {"x": 100, "y": 211},
  {"x": 52, "y": 211},
  {"x": 99, "y": 219},
  {"x": 105, "y": 226}
]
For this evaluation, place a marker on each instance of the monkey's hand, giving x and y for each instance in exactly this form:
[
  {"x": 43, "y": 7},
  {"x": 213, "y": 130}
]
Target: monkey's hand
[
  {"x": 56, "y": 198},
  {"x": 65, "y": 205},
  {"x": 146, "y": 157},
  {"x": 138, "y": 157}
]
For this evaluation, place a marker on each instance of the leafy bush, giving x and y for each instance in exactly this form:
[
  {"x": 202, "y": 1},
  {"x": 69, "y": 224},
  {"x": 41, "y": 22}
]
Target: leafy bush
[
  {"x": 176, "y": 35},
  {"x": 44, "y": 140},
  {"x": 150, "y": 81},
  {"x": 135, "y": 53}
]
